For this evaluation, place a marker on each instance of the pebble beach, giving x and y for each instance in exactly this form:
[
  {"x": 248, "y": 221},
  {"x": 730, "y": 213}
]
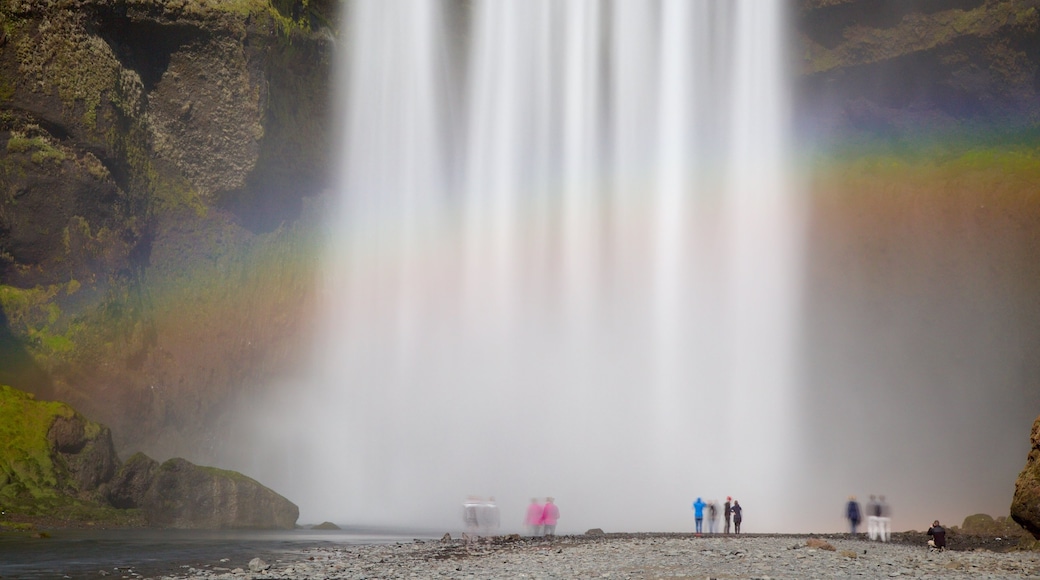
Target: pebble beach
[{"x": 628, "y": 556}]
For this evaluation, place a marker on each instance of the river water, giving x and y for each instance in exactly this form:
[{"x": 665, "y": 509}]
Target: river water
[{"x": 77, "y": 554}]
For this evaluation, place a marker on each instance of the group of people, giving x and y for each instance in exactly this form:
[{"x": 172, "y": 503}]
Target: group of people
[
  {"x": 480, "y": 516},
  {"x": 541, "y": 517},
  {"x": 879, "y": 517},
  {"x": 730, "y": 509}
]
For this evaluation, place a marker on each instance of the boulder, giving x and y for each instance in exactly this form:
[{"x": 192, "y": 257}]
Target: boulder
[
  {"x": 188, "y": 496},
  {"x": 1025, "y": 506},
  {"x": 180, "y": 494}
]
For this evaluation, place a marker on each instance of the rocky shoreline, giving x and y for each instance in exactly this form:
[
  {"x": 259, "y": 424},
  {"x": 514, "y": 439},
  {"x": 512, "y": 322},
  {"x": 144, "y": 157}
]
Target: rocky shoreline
[{"x": 632, "y": 556}]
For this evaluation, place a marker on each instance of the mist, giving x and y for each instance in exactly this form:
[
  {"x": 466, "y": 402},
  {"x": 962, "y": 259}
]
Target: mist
[{"x": 572, "y": 257}]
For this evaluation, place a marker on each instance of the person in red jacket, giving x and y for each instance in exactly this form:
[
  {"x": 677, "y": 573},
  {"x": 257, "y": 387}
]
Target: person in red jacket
[
  {"x": 533, "y": 519},
  {"x": 550, "y": 514}
]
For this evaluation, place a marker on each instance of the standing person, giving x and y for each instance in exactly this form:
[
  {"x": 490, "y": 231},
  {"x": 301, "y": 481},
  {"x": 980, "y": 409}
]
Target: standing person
[
  {"x": 726, "y": 511},
  {"x": 852, "y": 513},
  {"x": 471, "y": 517},
  {"x": 884, "y": 519},
  {"x": 738, "y": 515},
  {"x": 533, "y": 519},
  {"x": 873, "y": 512},
  {"x": 713, "y": 514},
  {"x": 550, "y": 514},
  {"x": 698, "y": 514},
  {"x": 488, "y": 517}
]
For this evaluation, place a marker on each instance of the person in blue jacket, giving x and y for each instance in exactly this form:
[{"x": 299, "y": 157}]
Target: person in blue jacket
[
  {"x": 852, "y": 513},
  {"x": 698, "y": 513}
]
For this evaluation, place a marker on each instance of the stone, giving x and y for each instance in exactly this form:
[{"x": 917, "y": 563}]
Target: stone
[
  {"x": 819, "y": 544},
  {"x": 1025, "y": 505},
  {"x": 180, "y": 494},
  {"x": 258, "y": 565},
  {"x": 187, "y": 496},
  {"x": 595, "y": 532}
]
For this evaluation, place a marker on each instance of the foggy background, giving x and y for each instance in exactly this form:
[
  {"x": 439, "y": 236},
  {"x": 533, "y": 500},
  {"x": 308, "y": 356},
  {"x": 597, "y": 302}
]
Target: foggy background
[{"x": 903, "y": 312}]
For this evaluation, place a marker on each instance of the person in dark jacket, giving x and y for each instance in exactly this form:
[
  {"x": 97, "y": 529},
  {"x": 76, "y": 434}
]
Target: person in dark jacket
[
  {"x": 938, "y": 537},
  {"x": 726, "y": 511},
  {"x": 852, "y": 513},
  {"x": 738, "y": 515}
]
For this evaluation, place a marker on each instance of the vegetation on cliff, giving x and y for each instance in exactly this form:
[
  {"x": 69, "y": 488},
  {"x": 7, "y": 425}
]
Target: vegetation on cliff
[
  {"x": 59, "y": 469},
  {"x": 37, "y": 481},
  {"x": 157, "y": 162}
]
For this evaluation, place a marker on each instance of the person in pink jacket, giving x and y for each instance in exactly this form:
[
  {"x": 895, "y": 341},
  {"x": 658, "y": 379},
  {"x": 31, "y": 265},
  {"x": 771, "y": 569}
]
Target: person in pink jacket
[
  {"x": 533, "y": 519},
  {"x": 550, "y": 514}
]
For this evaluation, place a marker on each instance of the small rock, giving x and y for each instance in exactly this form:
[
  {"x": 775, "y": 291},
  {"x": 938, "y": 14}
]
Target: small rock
[{"x": 258, "y": 565}]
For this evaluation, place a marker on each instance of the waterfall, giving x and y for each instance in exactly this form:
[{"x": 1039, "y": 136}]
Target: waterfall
[{"x": 565, "y": 262}]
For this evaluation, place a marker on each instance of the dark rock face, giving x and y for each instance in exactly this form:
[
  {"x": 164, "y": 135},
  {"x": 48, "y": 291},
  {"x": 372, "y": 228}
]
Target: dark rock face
[
  {"x": 1025, "y": 507},
  {"x": 131, "y": 483},
  {"x": 886, "y": 66},
  {"x": 154, "y": 157},
  {"x": 184, "y": 495},
  {"x": 85, "y": 452},
  {"x": 180, "y": 494}
]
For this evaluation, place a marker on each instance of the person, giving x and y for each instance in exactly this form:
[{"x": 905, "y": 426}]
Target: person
[
  {"x": 713, "y": 514},
  {"x": 873, "y": 513},
  {"x": 470, "y": 516},
  {"x": 550, "y": 514},
  {"x": 726, "y": 511},
  {"x": 884, "y": 519},
  {"x": 738, "y": 515},
  {"x": 533, "y": 519},
  {"x": 488, "y": 517},
  {"x": 938, "y": 537},
  {"x": 852, "y": 513},
  {"x": 698, "y": 514}
]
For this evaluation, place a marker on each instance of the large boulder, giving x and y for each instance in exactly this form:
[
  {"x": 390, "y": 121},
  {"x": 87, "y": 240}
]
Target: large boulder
[
  {"x": 180, "y": 494},
  {"x": 1025, "y": 507}
]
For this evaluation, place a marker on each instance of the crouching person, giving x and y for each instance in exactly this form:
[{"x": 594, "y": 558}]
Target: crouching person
[{"x": 937, "y": 541}]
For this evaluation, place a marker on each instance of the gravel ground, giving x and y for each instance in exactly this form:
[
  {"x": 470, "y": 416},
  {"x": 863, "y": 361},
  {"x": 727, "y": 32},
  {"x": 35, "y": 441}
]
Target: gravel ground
[{"x": 641, "y": 556}]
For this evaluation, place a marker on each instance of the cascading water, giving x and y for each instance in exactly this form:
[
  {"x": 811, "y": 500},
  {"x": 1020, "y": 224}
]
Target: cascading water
[{"x": 565, "y": 263}]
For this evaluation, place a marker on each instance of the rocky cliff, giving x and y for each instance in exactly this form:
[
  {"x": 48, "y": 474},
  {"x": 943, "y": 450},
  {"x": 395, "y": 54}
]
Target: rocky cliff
[
  {"x": 156, "y": 164},
  {"x": 59, "y": 468},
  {"x": 891, "y": 67}
]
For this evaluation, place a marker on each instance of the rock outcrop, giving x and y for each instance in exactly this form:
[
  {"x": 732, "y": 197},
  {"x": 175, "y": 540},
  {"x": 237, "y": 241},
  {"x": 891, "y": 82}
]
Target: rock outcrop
[
  {"x": 57, "y": 464},
  {"x": 1025, "y": 507},
  {"x": 180, "y": 494},
  {"x": 51, "y": 455}
]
